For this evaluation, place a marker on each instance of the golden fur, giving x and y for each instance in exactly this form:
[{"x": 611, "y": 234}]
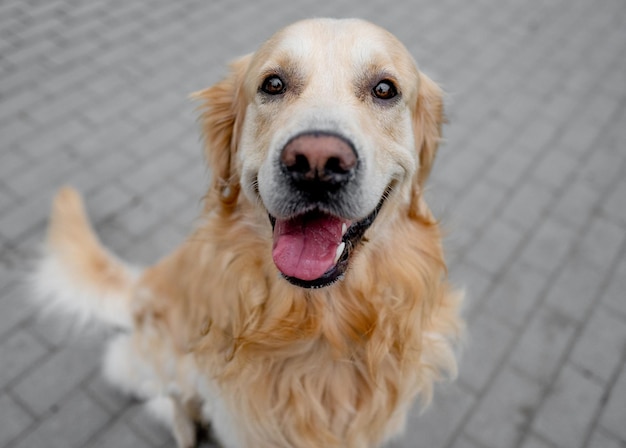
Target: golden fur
[{"x": 337, "y": 366}]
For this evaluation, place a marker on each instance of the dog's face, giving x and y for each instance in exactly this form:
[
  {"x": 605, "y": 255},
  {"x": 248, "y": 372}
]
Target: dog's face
[{"x": 329, "y": 118}]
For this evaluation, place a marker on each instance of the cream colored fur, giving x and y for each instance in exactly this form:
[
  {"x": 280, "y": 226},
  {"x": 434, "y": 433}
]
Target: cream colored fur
[{"x": 214, "y": 334}]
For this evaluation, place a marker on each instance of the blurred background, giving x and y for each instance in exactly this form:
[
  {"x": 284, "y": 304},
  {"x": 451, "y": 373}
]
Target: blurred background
[{"x": 530, "y": 185}]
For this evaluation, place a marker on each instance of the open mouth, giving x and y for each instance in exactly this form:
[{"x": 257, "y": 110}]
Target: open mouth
[{"x": 313, "y": 250}]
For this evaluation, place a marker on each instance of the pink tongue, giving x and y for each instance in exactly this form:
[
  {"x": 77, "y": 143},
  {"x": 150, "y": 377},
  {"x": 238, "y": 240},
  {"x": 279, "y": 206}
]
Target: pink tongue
[{"x": 305, "y": 247}]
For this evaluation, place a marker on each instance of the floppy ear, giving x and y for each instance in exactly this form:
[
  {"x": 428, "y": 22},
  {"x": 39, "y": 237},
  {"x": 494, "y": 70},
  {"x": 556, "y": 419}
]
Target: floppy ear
[
  {"x": 222, "y": 115},
  {"x": 427, "y": 120}
]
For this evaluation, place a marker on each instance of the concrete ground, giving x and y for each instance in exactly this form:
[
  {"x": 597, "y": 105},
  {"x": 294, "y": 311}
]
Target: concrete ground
[{"x": 530, "y": 183}]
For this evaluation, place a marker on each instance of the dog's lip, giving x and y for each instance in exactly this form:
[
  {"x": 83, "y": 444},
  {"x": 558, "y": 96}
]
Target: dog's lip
[{"x": 352, "y": 237}]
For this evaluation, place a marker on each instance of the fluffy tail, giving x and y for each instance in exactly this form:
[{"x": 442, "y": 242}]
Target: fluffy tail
[{"x": 76, "y": 274}]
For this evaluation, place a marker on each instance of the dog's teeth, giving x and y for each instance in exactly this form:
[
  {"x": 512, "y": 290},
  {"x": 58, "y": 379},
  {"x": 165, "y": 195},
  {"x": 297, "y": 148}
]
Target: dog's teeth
[
  {"x": 344, "y": 229},
  {"x": 340, "y": 249}
]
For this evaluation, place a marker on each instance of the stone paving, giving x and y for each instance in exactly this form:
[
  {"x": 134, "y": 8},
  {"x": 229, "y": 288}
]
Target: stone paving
[{"x": 530, "y": 184}]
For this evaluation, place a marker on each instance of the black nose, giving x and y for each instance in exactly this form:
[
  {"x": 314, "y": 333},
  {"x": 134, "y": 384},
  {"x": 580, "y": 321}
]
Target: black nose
[{"x": 319, "y": 160}]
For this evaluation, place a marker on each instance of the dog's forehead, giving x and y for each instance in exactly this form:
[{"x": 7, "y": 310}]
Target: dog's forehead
[{"x": 332, "y": 40}]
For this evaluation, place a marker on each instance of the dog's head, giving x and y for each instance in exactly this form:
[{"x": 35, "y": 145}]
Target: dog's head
[{"x": 320, "y": 126}]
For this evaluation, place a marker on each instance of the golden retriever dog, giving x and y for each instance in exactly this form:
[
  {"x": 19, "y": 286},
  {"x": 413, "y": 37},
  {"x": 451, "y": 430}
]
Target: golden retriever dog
[{"x": 311, "y": 306}]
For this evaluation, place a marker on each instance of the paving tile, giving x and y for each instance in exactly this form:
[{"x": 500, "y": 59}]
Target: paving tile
[
  {"x": 108, "y": 201},
  {"x": 495, "y": 247},
  {"x": 156, "y": 108},
  {"x": 18, "y": 351},
  {"x": 166, "y": 239},
  {"x": 558, "y": 106},
  {"x": 57, "y": 330},
  {"x": 612, "y": 418},
  {"x": 22, "y": 257},
  {"x": 527, "y": 206},
  {"x": 14, "y": 308},
  {"x": 457, "y": 242},
  {"x": 43, "y": 175},
  {"x": 7, "y": 198},
  {"x": 18, "y": 101},
  {"x": 505, "y": 412},
  {"x": 488, "y": 138},
  {"x": 8, "y": 278},
  {"x": 600, "y": 439},
  {"x": 555, "y": 420},
  {"x": 102, "y": 172},
  {"x": 10, "y": 161},
  {"x": 106, "y": 82},
  {"x": 12, "y": 131},
  {"x": 25, "y": 217},
  {"x": 548, "y": 246},
  {"x": 522, "y": 105},
  {"x": 117, "y": 436},
  {"x": 465, "y": 442},
  {"x": 195, "y": 180},
  {"x": 474, "y": 281},
  {"x": 44, "y": 388},
  {"x": 14, "y": 420},
  {"x": 138, "y": 220},
  {"x": 154, "y": 171},
  {"x": 509, "y": 167},
  {"x": 78, "y": 52},
  {"x": 536, "y": 442},
  {"x": 537, "y": 133},
  {"x": 436, "y": 427},
  {"x": 539, "y": 351},
  {"x": 577, "y": 202},
  {"x": 486, "y": 346},
  {"x": 167, "y": 199},
  {"x": 615, "y": 204},
  {"x": 18, "y": 78},
  {"x": 55, "y": 134},
  {"x": 439, "y": 196},
  {"x": 600, "y": 170},
  {"x": 516, "y": 294},
  {"x": 599, "y": 109},
  {"x": 70, "y": 426},
  {"x": 113, "y": 139},
  {"x": 144, "y": 251},
  {"x": 107, "y": 395},
  {"x": 575, "y": 289},
  {"x": 112, "y": 106},
  {"x": 458, "y": 171},
  {"x": 554, "y": 169},
  {"x": 601, "y": 243},
  {"x": 614, "y": 294}
]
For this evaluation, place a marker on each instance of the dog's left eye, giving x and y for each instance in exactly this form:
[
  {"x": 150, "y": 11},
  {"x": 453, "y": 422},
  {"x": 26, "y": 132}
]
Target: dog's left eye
[
  {"x": 273, "y": 85},
  {"x": 385, "y": 90}
]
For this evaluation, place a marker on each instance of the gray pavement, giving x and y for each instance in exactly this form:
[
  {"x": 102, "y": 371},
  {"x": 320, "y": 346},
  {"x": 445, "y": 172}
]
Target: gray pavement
[{"x": 530, "y": 184}]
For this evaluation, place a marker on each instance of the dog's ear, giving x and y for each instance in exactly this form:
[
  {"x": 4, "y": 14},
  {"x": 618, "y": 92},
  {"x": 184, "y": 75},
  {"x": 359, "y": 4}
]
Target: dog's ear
[
  {"x": 428, "y": 118},
  {"x": 223, "y": 110}
]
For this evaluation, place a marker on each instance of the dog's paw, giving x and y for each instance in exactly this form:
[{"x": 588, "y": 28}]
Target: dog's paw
[
  {"x": 184, "y": 429},
  {"x": 169, "y": 411}
]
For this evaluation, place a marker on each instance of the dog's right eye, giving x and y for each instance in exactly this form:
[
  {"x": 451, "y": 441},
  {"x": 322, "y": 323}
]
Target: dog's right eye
[
  {"x": 385, "y": 90},
  {"x": 273, "y": 85}
]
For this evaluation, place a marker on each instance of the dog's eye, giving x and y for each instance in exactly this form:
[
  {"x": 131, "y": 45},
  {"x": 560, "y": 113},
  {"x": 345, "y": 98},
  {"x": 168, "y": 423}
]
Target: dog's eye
[
  {"x": 273, "y": 85},
  {"x": 385, "y": 90}
]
